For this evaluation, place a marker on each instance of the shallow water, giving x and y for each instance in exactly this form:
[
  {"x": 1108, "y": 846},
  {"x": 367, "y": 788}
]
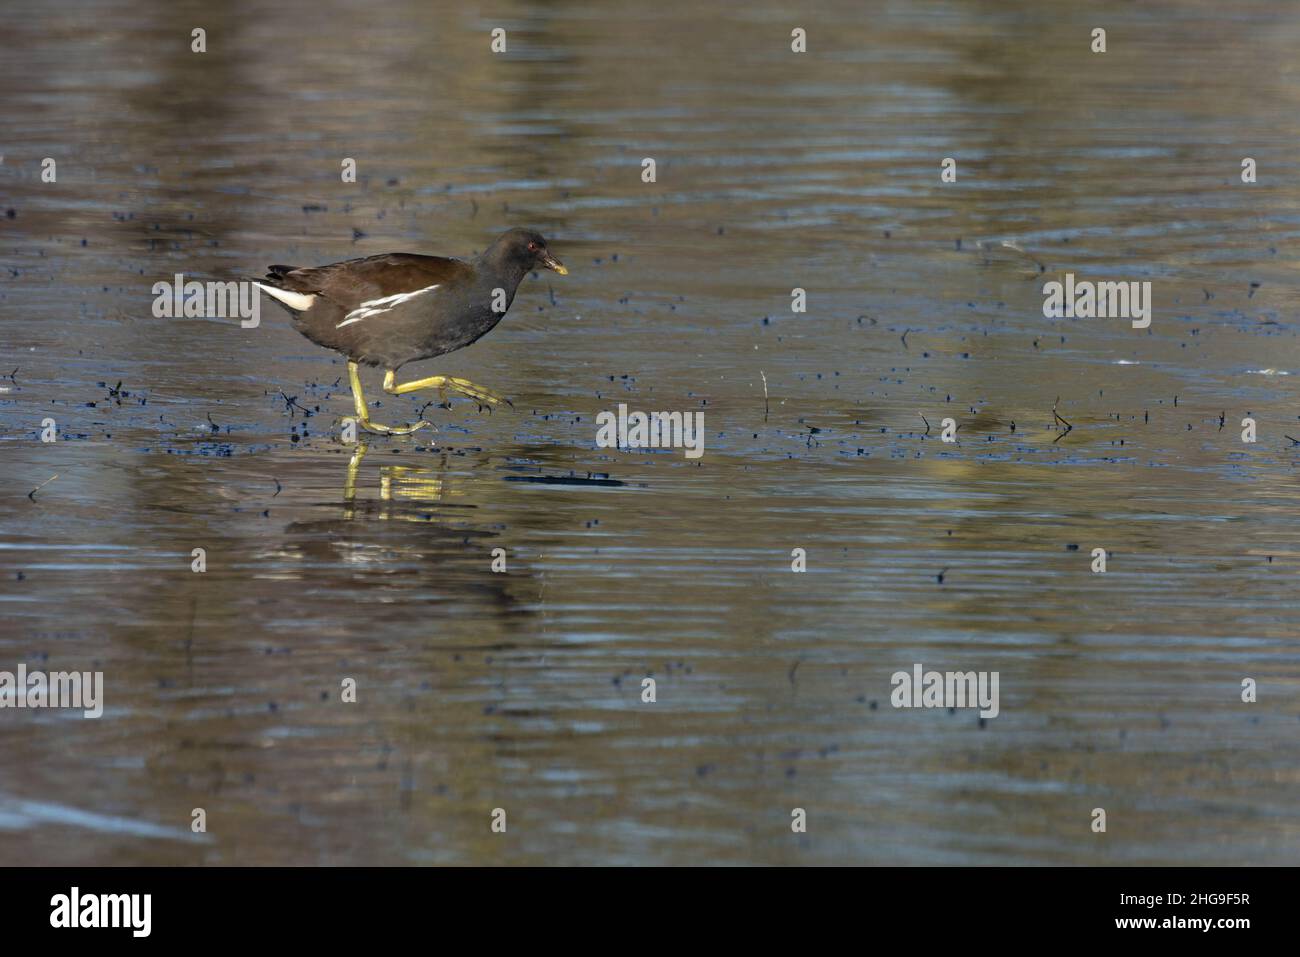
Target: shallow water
[{"x": 521, "y": 690}]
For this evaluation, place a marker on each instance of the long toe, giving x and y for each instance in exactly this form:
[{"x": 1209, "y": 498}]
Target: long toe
[
  {"x": 478, "y": 393},
  {"x": 378, "y": 429}
]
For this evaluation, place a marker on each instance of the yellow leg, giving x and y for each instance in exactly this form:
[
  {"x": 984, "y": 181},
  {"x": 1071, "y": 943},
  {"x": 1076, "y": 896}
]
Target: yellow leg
[
  {"x": 363, "y": 413},
  {"x": 484, "y": 397}
]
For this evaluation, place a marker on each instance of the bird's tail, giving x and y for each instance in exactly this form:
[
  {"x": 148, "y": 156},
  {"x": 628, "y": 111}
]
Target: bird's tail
[{"x": 274, "y": 285}]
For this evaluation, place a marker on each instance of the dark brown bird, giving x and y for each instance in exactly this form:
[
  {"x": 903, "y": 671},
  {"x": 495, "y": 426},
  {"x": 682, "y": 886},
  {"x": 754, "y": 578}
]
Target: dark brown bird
[{"x": 400, "y": 307}]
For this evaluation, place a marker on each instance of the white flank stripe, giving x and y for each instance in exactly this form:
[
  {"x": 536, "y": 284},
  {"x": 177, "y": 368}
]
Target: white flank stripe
[
  {"x": 373, "y": 307},
  {"x": 294, "y": 300}
]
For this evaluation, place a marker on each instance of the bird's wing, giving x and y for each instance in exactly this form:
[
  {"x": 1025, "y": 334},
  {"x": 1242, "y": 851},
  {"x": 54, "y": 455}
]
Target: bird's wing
[{"x": 355, "y": 282}]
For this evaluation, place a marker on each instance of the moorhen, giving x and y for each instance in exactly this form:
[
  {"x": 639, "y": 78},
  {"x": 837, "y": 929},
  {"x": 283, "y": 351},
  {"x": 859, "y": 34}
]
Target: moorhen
[{"x": 396, "y": 308}]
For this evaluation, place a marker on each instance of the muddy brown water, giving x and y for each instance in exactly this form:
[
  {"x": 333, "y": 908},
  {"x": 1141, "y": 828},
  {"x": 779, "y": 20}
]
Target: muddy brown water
[{"x": 522, "y": 690}]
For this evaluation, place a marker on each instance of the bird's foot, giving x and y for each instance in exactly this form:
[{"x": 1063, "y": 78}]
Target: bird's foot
[
  {"x": 378, "y": 429},
  {"x": 485, "y": 398}
]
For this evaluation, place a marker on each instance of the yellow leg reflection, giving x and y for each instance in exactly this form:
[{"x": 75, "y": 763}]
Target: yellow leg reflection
[
  {"x": 350, "y": 483},
  {"x": 399, "y": 483}
]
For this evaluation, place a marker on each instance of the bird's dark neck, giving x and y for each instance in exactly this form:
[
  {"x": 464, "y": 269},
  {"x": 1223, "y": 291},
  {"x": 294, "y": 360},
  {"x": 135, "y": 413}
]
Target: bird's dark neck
[{"x": 498, "y": 268}]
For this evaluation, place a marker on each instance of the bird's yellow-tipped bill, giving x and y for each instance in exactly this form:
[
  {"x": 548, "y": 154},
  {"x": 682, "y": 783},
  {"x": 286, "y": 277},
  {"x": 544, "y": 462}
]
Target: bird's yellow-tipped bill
[{"x": 550, "y": 262}]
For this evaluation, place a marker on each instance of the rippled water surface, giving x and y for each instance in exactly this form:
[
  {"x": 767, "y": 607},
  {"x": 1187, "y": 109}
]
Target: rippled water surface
[{"x": 522, "y": 690}]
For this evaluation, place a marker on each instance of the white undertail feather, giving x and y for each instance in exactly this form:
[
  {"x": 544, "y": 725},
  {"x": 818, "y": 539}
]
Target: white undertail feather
[
  {"x": 294, "y": 300},
  {"x": 373, "y": 307}
]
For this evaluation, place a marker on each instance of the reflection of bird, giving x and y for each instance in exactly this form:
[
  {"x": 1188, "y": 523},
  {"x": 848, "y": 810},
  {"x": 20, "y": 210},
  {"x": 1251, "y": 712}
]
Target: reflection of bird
[
  {"x": 415, "y": 485},
  {"x": 397, "y": 308}
]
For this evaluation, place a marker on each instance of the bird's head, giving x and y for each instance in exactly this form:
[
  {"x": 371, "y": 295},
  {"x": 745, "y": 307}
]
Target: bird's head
[{"x": 527, "y": 248}]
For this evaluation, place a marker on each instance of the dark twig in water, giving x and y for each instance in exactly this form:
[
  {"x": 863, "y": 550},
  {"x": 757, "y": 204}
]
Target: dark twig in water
[
  {"x": 939, "y": 577},
  {"x": 215, "y": 427},
  {"x": 793, "y": 669},
  {"x": 1222, "y": 415},
  {"x": 903, "y": 337},
  {"x": 11, "y": 375},
  {"x": 1293, "y": 441},
  {"x": 926, "y": 421},
  {"x": 291, "y": 403},
  {"x": 1056, "y": 416},
  {"x": 278, "y": 486},
  {"x": 32, "y": 493}
]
